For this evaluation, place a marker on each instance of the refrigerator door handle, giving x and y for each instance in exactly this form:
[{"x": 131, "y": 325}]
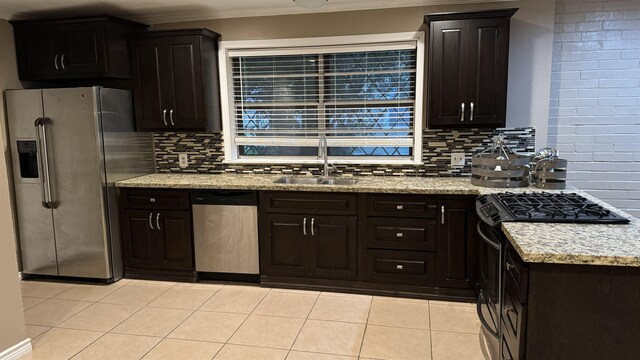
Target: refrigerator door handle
[{"x": 41, "y": 139}]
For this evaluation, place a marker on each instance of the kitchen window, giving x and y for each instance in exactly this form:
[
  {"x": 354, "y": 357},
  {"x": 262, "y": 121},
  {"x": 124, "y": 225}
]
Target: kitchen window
[{"x": 363, "y": 93}]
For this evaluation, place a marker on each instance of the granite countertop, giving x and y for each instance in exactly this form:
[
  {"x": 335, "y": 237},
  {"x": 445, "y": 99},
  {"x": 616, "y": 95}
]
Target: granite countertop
[{"x": 594, "y": 244}]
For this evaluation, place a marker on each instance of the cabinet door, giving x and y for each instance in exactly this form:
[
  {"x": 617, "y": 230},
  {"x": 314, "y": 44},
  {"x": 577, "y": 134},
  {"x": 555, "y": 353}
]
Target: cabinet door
[
  {"x": 84, "y": 50},
  {"x": 284, "y": 248},
  {"x": 456, "y": 248},
  {"x": 333, "y": 246},
  {"x": 37, "y": 52},
  {"x": 139, "y": 238},
  {"x": 149, "y": 95},
  {"x": 448, "y": 72},
  {"x": 488, "y": 67},
  {"x": 185, "y": 75},
  {"x": 175, "y": 240}
]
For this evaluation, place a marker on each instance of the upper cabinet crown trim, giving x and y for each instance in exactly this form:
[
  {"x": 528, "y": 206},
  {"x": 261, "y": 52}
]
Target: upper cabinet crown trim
[
  {"x": 182, "y": 32},
  {"x": 469, "y": 15},
  {"x": 73, "y": 20}
]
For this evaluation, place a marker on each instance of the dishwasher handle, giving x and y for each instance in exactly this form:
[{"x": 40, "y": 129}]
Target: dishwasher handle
[{"x": 224, "y": 197}]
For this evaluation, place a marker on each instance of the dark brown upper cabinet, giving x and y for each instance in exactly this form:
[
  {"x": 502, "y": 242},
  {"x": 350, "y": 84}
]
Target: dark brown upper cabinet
[
  {"x": 468, "y": 67},
  {"x": 80, "y": 48},
  {"x": 176, "y": 83}
]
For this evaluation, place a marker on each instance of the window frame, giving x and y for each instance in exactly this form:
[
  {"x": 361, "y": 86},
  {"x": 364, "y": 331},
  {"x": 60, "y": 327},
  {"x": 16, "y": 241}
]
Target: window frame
[{"x": 279, "y": 46}]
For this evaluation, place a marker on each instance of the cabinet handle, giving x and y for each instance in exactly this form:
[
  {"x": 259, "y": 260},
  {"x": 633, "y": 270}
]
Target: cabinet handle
[
  {"x": 399, "y": 267},
  {"x": 442, "y": 215},
  {"x": 510, "y": 266},
  {"x": 471, "y": 112},
  {"x": 164, "y": 117},
  {"x": 150, "y": 223},
  {"x": 508, "y": 309},
  {"x": 313, "y": 233},
  {"x": 399, "y": 207},
  {"x": 55, "y": 62},
  {"x": 399, "y": 234},
  {"x": 462, "y": 112},
  {"x": 158, "y": 221},
  {"x": 171, "y": 117},
  {"x": 304, "y": 226},
  {"x": 152, "y": 200},
  {"x": 62, "y": 62}
]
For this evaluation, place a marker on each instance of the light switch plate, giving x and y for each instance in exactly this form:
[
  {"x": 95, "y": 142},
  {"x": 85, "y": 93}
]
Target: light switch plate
[
  {"x": 183, "y": 159},
  {"x": 457, "y": 159}
]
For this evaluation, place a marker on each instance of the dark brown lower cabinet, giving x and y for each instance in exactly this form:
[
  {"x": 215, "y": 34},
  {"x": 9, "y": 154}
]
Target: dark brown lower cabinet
[
  {"x": 284, "y": 249},
  {"x": 333, "y": 247},
  {"x": 384, "y": 244},
  {"x": 457, "y": 260},
  {"x": 157, "y": 235},
  {"x": 316, "y": 246},
  {"x": 572, "y": 312}
]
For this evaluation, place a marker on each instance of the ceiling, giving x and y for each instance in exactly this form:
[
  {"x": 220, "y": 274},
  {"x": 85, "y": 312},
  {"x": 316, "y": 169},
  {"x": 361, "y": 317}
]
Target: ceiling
[{"x": 165, "y": 11}]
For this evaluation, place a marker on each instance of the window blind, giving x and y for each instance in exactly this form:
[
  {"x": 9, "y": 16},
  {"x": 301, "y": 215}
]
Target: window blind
[{"x": 362, "y": 101}]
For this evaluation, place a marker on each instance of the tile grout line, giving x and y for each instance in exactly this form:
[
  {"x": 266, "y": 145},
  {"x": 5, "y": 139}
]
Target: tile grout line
[
  {"x": 430, "y": 332},
  {"x": 302, "y": 327},
  {"x": 366, "y": 324}
]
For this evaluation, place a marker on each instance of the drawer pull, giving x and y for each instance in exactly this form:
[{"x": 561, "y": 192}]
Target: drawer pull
[
  {"x": 399, "y": 235},
  {"x": 400, "y": 267},
  {"x": 152, "y": 200},
  {"x": 399, "y": 207},
  {"x": 510, "y": 266}
]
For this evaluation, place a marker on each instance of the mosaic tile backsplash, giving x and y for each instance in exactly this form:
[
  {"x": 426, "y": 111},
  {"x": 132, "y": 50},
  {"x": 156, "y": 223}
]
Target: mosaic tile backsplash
[{"x": 206, "y": 154}]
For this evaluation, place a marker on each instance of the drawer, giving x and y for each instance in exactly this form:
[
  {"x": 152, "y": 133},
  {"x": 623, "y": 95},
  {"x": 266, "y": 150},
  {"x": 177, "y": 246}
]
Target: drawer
[
  {"x": 402, "y": 206},
  {"x": 308, "y": 203},
  {"x": 401, "y": 234},
  {"x": 156, "y": 199},
  {"x": 400, "y": 267},
  {"x": 516, "y": 275}
]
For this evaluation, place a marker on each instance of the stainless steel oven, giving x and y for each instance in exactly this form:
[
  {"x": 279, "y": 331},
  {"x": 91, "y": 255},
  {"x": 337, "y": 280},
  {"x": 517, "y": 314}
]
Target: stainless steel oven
[{"x": 490, "y": 284}]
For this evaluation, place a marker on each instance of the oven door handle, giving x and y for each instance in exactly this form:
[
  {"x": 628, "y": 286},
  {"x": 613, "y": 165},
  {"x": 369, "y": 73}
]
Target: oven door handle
[
  {"x": 485, "y": 238},
  {"x": 481, "y": 298}
]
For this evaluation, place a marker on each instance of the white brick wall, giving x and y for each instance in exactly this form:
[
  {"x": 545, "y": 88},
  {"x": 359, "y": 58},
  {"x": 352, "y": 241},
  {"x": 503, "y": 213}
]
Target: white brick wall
[{"x": 594, "y": 114}]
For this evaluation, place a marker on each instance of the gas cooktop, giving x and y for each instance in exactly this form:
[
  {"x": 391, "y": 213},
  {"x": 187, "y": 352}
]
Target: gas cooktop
[{"x": 543, "y": 207}]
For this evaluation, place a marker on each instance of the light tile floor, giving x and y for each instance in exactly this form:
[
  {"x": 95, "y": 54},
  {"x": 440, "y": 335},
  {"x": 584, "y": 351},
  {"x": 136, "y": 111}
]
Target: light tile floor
[{"x": 152, "y": 320}]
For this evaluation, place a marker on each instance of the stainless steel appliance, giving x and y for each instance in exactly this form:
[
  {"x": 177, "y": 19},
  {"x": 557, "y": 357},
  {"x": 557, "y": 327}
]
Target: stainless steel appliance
[
  {"x": 225, "y": 233},
  {"x": 68, "y": 148},
  {"x": 492, "y": 249},
  {"x": 543, "y": 207}
]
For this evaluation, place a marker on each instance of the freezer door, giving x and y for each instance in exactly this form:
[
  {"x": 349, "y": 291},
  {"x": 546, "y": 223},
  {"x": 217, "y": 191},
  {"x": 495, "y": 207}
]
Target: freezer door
[
  {"x": 77, "y": 173},
  {"x": 35, "y": 222}
]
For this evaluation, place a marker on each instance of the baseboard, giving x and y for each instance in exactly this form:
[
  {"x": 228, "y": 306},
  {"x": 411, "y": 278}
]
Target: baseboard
[{"x": 17, "y": 350}]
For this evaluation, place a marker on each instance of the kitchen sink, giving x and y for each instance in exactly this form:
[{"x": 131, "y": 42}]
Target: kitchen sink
[
  {"x": 293, "y": 180},
  {"x": 298, "y": 180},
  {"x": 335, "y": 181}
]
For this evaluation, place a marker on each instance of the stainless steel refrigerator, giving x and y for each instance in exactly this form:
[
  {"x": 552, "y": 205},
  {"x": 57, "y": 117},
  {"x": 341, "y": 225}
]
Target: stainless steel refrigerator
[{"x": 69, "y": 147}]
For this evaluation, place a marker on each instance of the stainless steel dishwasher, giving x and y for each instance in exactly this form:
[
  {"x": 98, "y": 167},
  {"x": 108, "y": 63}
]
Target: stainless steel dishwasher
[{"x": 225, "y": 232}]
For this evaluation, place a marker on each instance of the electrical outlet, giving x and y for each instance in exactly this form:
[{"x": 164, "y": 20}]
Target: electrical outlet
[
  {"x": 183, "y": 159},
  {"x": 457, "y": 159}
]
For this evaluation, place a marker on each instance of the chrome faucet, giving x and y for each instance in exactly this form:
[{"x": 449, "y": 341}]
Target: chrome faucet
[{"x": 324, "y": 153}]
